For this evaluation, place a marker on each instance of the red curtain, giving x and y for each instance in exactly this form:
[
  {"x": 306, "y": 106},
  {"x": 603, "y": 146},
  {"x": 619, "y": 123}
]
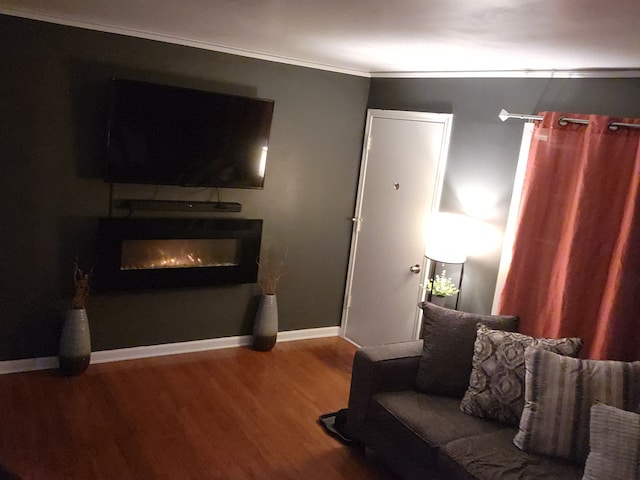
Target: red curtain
[{"x": 576, "y": 257}]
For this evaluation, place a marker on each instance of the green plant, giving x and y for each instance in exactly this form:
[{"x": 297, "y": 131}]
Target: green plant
[{"x": 441, "y": 286}]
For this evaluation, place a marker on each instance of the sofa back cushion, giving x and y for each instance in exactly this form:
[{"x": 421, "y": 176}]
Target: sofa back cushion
[
  {"x": 559, "y": 393},
  {"x": 496, "y": 385},
  {"x": 449, "y": 336}
]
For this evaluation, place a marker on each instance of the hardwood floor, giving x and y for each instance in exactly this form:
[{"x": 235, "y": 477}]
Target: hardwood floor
[{"x": 225, "y": 414}]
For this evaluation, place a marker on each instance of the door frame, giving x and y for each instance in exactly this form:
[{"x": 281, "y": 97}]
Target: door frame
[{"x": 447, "y": 120}]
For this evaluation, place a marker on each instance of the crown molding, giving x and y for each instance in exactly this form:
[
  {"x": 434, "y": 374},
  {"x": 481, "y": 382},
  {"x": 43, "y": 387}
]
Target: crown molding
[
  {"x": 580, "y": 73},
  {"x": 131, "y": 32},
  {"x": 187, "y": 42}
]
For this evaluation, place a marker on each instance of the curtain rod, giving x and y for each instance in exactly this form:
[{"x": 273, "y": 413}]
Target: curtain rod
[{"x": 504, "y": 116}]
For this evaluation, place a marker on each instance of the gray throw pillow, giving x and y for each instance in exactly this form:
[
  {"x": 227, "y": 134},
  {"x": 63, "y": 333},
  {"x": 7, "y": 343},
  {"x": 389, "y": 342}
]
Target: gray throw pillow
[
  {"x": 449, "y": 336},
  {"x": 496, "y": 385},
  {"x": 614, "y": 441},
  {"x": 559, "y": 393}
]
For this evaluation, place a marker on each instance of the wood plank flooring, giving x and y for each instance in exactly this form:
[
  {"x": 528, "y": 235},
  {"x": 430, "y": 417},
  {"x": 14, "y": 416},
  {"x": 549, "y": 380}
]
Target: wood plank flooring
[{"x": 225, "y": 414}]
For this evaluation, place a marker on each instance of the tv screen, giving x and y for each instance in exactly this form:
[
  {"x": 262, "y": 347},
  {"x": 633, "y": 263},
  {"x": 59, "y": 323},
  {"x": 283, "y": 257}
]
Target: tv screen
[{"x": 165, "y": 135}]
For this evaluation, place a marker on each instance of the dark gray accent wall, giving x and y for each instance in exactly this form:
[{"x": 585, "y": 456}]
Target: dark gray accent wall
[
  {"x": 53, "y": 97},
  {"x": 484, "y": 151}
]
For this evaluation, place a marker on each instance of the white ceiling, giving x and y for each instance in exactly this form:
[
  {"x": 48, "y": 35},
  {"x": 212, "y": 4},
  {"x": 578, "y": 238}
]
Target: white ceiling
[{"x": 378, "y": 37}]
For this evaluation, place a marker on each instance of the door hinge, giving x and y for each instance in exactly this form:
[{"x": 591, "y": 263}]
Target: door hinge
[
  {"x": 349, "y": 301},
  {"x": 369, "y": 143},
  {"x": 357, "y": 221}
]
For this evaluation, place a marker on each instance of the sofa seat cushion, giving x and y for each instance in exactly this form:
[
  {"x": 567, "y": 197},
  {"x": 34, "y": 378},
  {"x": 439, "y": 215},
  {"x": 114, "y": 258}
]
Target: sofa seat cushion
[
  {"x": 419, "y": 424},
  {"x": 493, "y": 456}
]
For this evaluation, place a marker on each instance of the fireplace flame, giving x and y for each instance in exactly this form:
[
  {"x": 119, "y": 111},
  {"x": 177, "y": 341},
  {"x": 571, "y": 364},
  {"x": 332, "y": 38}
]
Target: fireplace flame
[{"x": 178, "y": 253}]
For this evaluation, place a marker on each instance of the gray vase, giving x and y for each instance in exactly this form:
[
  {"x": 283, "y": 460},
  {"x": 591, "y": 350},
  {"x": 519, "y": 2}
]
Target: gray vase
[
  {"x": 265, "y": 328},
  {"x": 74, "y": 352},
  {"x": 440, "y": 301}
]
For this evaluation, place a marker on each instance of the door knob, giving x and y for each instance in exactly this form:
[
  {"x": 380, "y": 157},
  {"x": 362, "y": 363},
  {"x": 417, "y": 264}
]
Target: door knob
[{"x": 415, "y": 268}]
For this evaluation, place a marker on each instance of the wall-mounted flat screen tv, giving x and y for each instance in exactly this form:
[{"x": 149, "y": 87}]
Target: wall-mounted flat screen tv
[{"x": 166, "y": 135}]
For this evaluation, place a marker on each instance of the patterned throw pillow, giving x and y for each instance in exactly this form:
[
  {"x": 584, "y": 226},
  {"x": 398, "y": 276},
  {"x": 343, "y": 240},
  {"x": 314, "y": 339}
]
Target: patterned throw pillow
[
  {"x": 614, "y": 441},
  {"x": 496, "y": 385},
  {"x": 448, "y": 336},
  {"x": 559, "y": 393}
]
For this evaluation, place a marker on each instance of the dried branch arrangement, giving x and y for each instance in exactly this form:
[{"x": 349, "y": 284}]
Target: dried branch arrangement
[
  {"x": 81, "y": 285},
  {"x": 271, "y": 270}
]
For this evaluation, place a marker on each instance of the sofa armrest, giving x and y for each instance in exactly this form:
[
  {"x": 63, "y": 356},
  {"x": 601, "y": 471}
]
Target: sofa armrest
[{"x": 383, "y": 368}]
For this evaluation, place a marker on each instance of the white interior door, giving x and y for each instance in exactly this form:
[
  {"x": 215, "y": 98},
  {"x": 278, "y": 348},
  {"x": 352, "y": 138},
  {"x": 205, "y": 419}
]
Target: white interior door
[{"x": 400, "y": 183}]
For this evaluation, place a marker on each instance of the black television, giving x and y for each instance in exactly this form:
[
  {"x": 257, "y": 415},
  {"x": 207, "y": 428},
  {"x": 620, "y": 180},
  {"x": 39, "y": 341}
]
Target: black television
[{"x": 167, "y": 135}]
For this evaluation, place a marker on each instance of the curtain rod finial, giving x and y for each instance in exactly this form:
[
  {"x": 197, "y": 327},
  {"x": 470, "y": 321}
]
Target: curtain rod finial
[{"x": 503, "y": 115}]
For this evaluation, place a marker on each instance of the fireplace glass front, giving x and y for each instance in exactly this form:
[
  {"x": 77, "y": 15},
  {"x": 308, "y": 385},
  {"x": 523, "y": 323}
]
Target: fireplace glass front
[
  {"x": 166, "y": 253},
  {"x": 173, "y": 253}
]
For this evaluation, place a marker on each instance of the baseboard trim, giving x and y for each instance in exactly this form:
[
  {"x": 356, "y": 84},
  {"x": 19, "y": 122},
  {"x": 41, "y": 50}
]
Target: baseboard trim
[
  {"x": 28, "y": 365},
  {"x": 307, "y": 333},
  {"x": 149, "y": 351}
]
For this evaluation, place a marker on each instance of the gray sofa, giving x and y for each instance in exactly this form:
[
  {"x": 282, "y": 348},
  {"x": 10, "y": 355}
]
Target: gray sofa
[{"x": 426, "y": 436}]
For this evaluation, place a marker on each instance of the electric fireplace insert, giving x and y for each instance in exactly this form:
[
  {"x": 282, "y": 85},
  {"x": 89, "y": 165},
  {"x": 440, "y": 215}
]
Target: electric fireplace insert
[{"x": 149, "y": 253}]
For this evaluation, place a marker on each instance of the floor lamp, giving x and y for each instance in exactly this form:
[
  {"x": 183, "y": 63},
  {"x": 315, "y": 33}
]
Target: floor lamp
[{"x": 446, "y": 242}]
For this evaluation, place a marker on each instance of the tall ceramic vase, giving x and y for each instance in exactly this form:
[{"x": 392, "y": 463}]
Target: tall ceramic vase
[
  {"x": 265, "y": 328},
  {"x": 75, "y": 343}
]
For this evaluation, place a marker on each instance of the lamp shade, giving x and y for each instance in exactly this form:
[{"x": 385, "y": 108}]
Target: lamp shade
[{"x": 446, "y": 237}]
